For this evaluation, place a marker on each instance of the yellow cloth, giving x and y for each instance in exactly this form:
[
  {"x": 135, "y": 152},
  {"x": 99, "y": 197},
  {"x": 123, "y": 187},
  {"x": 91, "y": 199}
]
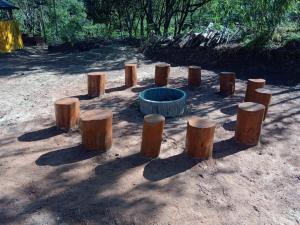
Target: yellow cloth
[{"x": 10, "y": 36}]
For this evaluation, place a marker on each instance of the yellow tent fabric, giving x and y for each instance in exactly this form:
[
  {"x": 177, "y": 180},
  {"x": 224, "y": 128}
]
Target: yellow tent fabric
[{"x": 10, "y": 36}]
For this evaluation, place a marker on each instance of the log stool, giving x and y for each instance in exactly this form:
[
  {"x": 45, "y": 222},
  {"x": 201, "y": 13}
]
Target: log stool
[
  {"x": 251, "y": 86},
  {"x": 130, "y": 75},
  {"x": 249, "y": 122},
  {"x": 263, "y": 96},
  {"x": 200, "y": 137},
  {"x": 67, "y": 113},
  {"x": 227, "y": 83},
  {"x": 96, "y": 129},
  {"x": 152, "y": 135},
  {"x": 194, "y": 77},
  {"x": 96, "y": 84},
  {"x": 162, "y": 72}
]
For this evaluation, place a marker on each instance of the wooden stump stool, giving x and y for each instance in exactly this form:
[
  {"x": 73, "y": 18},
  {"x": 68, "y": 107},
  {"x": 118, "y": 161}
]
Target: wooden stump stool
[
  {"x": 67, "y": 113},
  {"x": 194, "y": 77},
  {"x": 130, "y": 75},
  {"x": 252, "y": 85},
  {"x": 162, "y": 73},
  {"x": 200, "y": 137},
  {"x": 96, "y": 129},
  {"x": 152, "y": 135},
  {"x": 263, "y": 96},
  {"x": 249, "y": 122},
  {"x": 96, "y": 84},
  {"x": 227, "y": 83}
]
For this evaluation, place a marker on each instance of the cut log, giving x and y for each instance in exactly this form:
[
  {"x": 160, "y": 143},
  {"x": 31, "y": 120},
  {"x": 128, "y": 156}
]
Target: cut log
[
  {"x": 263, "y": 96},
  {"x": 249, "y": 122},
  {"x": 96, "y": 129},
  {"x": 152, "y": 135},
  {"x": 200, "y": 137},
  {"x": 194, "y": 77},
  {"x": 227, "y": 83},
  {"x": 96, "y": 84},
  {"x": 252, "y": 85},
  {"x": 67, "y": 112},
  {"x": 130, "y": 75},
  {"x": 162, "y": 72}
]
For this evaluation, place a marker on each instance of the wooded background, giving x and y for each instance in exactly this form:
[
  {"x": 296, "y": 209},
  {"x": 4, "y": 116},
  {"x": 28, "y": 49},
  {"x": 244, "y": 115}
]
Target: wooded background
[{"x": 259, "y": 22}]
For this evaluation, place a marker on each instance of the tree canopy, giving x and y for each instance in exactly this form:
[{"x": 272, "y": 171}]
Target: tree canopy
[{"x": 257, "y": 21}]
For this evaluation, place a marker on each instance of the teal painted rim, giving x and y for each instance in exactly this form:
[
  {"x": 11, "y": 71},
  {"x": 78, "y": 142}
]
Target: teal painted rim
[{"x": 161, "y": 89}]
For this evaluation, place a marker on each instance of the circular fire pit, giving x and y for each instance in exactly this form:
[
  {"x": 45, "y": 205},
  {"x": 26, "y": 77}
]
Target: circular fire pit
[{"x": 169, "y": 102}]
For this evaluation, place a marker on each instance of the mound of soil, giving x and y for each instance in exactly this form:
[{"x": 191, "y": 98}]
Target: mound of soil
[{"x": 281, "y": 65}]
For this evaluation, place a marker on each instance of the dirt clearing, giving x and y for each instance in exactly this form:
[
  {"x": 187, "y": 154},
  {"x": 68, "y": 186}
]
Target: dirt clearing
[{"x": 47, "y": 178}]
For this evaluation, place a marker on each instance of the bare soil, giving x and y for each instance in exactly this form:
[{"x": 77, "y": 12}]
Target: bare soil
[{"x": 48, "y": 178}]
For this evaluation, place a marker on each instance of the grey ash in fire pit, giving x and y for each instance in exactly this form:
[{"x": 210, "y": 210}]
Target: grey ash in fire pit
[{"x": 169, "y": 102}]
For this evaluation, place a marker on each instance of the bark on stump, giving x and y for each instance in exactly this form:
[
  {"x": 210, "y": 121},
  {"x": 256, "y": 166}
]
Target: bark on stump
[
  {"x": 194, "y": 77},
  {"x": 252, "y": 85},
  {"x": 162, "y": 73},
  {"x": 200, "y": 137},
  {"x": 96, "y": 129},
  {"x": 263, "y": 96},
  {"x": 130, "y": 75},
  {"x": 227, "y": 83},
  {"x": 67, "y": 112},
  {"x": 96, "y": 84},
  {"x": 249, "y": 122},
  {"x": 152, "y": 135}
]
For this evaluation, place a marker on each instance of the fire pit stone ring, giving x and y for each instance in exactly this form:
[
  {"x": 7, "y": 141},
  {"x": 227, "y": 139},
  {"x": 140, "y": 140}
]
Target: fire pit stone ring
[{"x": 169, "y": 102}]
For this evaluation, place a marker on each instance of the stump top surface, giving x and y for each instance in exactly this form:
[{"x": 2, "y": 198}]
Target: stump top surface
[
  {"x": 258, "y": 80},
  {"x": 263, "y": 91},
  {"x": 195, "y": 67},
  {"x": 130, "y": 65},
  {"x": 66, "y": 101},
  {"x": 96, "y": 114},
  {"x": 227, "y": 74},
  {"x": 154, "y": 118},
  {"x": 251, "y": 106},
  {"x": 198, "y": 122},
  {"x": 162, "y": 65},
  {"x": 96, "y": 74}
]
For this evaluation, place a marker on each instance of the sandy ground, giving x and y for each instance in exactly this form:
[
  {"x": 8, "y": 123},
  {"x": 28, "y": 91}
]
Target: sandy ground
[{"x": 47, "y": 177}]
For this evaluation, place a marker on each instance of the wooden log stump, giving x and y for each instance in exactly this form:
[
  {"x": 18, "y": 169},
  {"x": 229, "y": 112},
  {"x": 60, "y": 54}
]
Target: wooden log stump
[
  {"x": 194, "y": 76},
  {"x": 263, "y": 96},
  {"x": 249, "y": 122},
  {"x": 67, "y": 112},
  {"x": 200, "y": 137},
  {"x": 252, "y": 85},
  {"x": 227, "y": 83},
  {"x": 162, "y": 73},
  {"x": 96, "y": 129},
  {"x": 96, "y": 84},
  {"x": 152, "y": 135},
  {"x": 130, "y": 75}
]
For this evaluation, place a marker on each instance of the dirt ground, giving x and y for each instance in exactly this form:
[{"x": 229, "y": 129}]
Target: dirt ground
[{"x": 48, "y": 178}]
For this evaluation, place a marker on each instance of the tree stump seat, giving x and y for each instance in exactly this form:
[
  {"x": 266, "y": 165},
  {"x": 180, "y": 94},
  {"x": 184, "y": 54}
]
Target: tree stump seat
[
  {"x": 249, "y": 122},
  {"x": 263, "y": 96},
  {"x": 96, "y": 84},
  {"x": 130, "y": 75},
  {"x": 194, "y": 76},
  {"x": 152, "y": 135},
  {"x": 162, "y": 73},
  {"x": 67, "y": 112},
  {"x": 252, "y": 85},
  {"x": 96, "y": 129},
  {"x": 227, "y": 83},
  {"x": 200, "y": 137}
]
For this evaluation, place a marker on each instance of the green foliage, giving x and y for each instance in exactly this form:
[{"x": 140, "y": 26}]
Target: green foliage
[{"x": 257, "y": 22}]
